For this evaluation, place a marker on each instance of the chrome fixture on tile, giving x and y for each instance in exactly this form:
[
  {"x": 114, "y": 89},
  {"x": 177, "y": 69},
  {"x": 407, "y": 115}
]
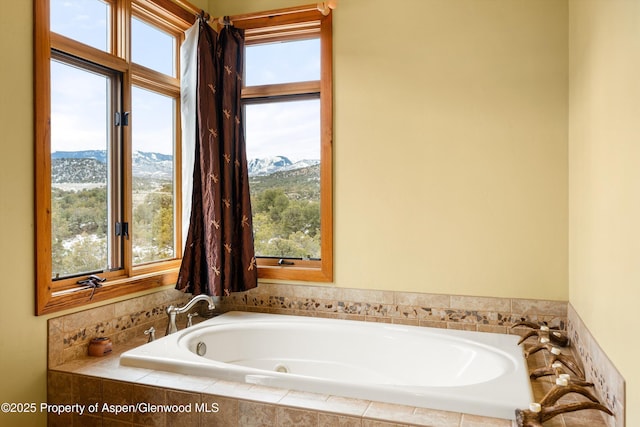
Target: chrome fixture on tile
[
  {"x": 548, "y": 408},
  {"x": 543, "y": 331},
  {"x": 172, "y": 311},
  {"x": 152, "y": 333},
  {"x": 190, "y": 317}
]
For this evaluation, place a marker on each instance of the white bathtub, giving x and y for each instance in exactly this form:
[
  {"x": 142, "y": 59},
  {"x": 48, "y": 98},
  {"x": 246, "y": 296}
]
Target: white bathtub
[{"x": 470, "y": 372}]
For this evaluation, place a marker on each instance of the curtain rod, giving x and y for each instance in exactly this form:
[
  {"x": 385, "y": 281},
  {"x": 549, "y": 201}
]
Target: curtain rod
[{"x": 324, "y": 7}]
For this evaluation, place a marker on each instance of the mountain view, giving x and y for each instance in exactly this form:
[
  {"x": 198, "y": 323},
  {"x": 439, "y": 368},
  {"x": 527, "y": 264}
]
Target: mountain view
[
  {"x": 90, "y": 166},
  {"x": 285, "y": 200}
]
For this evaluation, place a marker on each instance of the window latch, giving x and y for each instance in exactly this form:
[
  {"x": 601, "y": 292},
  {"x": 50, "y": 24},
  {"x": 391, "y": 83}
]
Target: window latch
[
  {"x": 122, "y": 229},
  {"x": 122, "y": 118},
  {"x": 92, "y": 282},
  {"x": 283, "y": 261}
]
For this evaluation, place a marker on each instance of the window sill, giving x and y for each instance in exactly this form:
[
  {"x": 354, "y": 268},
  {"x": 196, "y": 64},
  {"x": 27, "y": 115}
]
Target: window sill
[
  {"x": 67, "y": 299},
  {"x": 299, "y": 273}
]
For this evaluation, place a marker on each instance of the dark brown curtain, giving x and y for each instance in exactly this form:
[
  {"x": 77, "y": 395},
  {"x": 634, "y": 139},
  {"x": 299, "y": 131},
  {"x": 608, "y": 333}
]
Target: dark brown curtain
[{"x": 219, "y": 255}]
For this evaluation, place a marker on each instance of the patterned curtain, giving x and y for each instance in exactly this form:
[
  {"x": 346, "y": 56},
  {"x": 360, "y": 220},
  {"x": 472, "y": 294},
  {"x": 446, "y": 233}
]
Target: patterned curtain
[{"x": 219, "y": 255}]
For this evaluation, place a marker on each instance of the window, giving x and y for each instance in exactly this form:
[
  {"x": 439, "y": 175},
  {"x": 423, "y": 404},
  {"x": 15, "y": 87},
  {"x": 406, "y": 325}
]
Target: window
[
  {"x": 107, "y": 159},
  {"x": 287, "y": 98}
]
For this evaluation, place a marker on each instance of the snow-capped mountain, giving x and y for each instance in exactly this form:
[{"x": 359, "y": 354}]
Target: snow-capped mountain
[
  {"x": 269, "y": 165},
  {"x": 89, "y": 166}
]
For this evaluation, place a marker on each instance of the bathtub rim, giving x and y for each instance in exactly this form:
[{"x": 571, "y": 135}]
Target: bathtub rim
[{"x": 440, "y": 398}]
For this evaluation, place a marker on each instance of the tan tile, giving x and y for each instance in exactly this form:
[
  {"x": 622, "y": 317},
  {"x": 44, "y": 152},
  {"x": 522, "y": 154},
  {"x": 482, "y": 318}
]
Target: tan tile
[
  {"x": 86, "y": 390},
  {"x": 377, "y": 423},
  {"x": 133, "y": 305},
  {"x": 407, "y": 414},
  {"x": 369, "y": 296},
  {"x": 184, "y": 412},
  {"x": 408, "y": 322},
  {"x": 481, "y": 303},
  {"x": 230, "y": 389},
  {"x": 309, "y": 292},
  {"x": 253, "y": 414},
  {"x": 177, "y": 381},
  {"x": 558, "y": 422},
  {"x": 88, "y": 318},
  {"x": 117, "y": 393},
  {"x": 55, "y": 352},
  {"x": 382, "y": 319},
  {"x": 303, "y": 399},
  {"x": 122, "y": 373},
  {"x": 435, "y": 418},
  {"x": 218, "y": 411},
  {"x": 289, "y": 417},
  {"x": 265, "y": 394},
  {"x": 331, "y": 420},
  {"x": 59, "y": 387},
  {"x": 463, "y": 326},
  {"x": 75, "y": 352},
  {"x": 326, "y": 403},
  {"x": 433, "y": 324},
  {"x": 422, "y": 300},
  {"x": 107, "y": 422},
  {"x": 55, "y": 327},
  {"x": 62, "y": 420},
  {"x": 497, "y": 329},
  {"x": 585, "y": 417},
  {"x": 152, "y": 396},
  {"x": 529, "y": 306},
  {"x": 85, "y": 420},
  {"x": 478, "y": 421}
]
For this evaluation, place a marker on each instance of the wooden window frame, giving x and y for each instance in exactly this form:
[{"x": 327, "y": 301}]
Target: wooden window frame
[
  {"x": 296, "y": 24},
  {"x": 52, "y": 296}
]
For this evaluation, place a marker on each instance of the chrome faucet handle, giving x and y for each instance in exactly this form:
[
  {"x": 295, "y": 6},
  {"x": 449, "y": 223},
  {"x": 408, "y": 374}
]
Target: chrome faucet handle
[
  {"x": 152, "y": 333},
  {"x": 172, "y": 311},
  {"x": 190, "y": 316}
]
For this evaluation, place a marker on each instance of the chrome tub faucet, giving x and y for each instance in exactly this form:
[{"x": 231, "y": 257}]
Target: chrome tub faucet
[{"x": 172, "y": 311}]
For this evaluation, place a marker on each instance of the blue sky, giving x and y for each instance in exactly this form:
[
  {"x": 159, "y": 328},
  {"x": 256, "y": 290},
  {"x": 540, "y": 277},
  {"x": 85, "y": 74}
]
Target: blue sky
[{"x": 78, "y": 118}]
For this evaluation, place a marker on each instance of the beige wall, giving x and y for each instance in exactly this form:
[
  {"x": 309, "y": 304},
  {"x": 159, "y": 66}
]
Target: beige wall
[
  {"x": 604, "y": 180},
  {"x": 22, "y": 335},
  {"x": 450, "y": 145},
  {"x": 450, "y": 157}
]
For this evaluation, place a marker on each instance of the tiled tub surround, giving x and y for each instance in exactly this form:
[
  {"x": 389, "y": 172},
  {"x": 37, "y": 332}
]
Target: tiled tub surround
[
  {"x": 453, "y": 370},
  {"x": 122, "y": 321},
  {"x": 73, "y": 374},
  {"x": 598, "y": 368},
  {"x": 102, "y": 380}
]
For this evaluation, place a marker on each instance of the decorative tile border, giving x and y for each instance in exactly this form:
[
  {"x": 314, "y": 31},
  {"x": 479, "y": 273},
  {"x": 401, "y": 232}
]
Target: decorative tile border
[
  {"x": 487, "y": 314},
  {"x": 609, "y": 383}
]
